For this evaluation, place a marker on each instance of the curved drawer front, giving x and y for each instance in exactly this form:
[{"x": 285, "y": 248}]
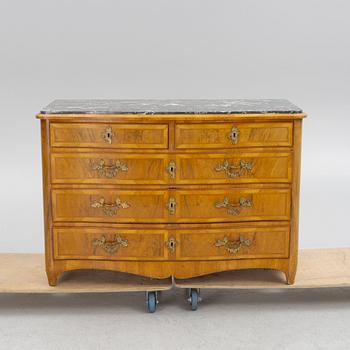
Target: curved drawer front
[
  {"x": 234, "y": 168},
  {"x": 109, "y": 168},
  {"x": 232, "y": 135},
  {"x": 109, "y": 135},
  {"x": 109, "y": 206},
  {"x": 232, "y": 205},
  {"x": 110, "y": 244},
  {"x": 242, "y": 243}
]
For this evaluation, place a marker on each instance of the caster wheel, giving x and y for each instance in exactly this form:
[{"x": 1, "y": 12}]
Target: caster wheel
[
  {"x": 194, "y": 298},
  {"x": 151, "y": 302}
]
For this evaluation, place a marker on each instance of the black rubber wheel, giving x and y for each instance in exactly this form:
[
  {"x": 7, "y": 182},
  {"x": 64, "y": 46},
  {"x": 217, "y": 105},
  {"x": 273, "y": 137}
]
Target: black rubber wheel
[
  {"x": 151, "y": 302},
  {"x": 194, "y": 298}
]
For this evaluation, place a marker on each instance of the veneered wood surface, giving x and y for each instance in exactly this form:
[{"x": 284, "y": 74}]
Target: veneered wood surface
[
  {"x": 69, "y": 188},
  {"x": 190, "y": 168},
  {"x": 264, "y": 243},
  {"x": 200, "y": 205},
  {"x": 77, "y": 205},
  {"x": 317, "y": 268},
  {"x": 250, "y": 135},
  {"x": 203, "y": 168},
  {"x": 151, "y": 206},
  {"x": 78, "y": 243},
  {"x": 25, "y": 273},
  {"x": 81, "y": 168},
  {"x": 124, "y": 135}
]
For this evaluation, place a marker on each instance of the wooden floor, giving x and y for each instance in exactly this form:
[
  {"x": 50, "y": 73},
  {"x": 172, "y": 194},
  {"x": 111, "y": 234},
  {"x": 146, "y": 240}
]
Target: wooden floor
[
  {"x": 317, "y": 268},
  {"x": 25, "y": 273}
]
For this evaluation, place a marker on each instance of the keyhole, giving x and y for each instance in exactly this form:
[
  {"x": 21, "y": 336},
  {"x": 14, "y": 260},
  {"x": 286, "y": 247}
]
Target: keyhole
[
  {"x": 171, "y": 205},
  {"x": 171, "y": 244},
  {"x": 171, "y": 169},
  {"x": 234, "y": 135},
  {"x": 108, "y": 135}
]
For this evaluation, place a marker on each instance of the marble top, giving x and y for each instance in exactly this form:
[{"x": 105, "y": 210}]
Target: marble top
[{"x": 225, "y": 106}]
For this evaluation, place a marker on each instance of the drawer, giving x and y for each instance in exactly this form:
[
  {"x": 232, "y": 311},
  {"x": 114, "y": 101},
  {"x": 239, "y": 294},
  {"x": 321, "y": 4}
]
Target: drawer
[
  {"x": 238, "y": 243},
  {"x": 238, "y": 167},
  {"x": 109, "y": 205},
  {"x": 109, "y": 168},
  {"x": 109, "y": 244},
  {"x": 109, "y": 135},
  {"x": 232, "y": 205},
  {"x": 232, "y": 135}
]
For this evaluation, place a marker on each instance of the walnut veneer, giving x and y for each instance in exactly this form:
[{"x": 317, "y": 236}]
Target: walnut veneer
[{"x": 177, "y": 194}]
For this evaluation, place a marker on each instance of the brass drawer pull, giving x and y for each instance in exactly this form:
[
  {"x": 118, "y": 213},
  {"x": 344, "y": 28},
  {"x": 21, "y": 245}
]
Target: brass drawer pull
[
  {"x": 109, "y": 171},
  {"x": 171, "y": 206},
  {"x": 234, "y": 208},
  {"x": 108, "y": 135},
  {"x": 234, "y": 135},
  {"x": 235, "y": 170},
  {"x": 110, "y": 209},
  {"x": 110, "y": 246},
  {"x": 171, "y": 169},
  {"x": 171, "y": 244},
  {"x": 233, "y": 247}
]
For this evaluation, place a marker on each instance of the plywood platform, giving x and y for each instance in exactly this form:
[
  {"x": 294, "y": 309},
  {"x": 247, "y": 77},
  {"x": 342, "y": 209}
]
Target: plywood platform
[
  {"x": 317, "y": 268},
  {"x": 25, "y": 273}
]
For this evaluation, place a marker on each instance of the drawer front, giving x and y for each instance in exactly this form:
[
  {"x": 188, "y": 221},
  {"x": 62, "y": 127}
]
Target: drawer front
[
  {"x": 232, "y": 205},
  {"x": 234, "y": 168},
  {"x": 242, "y": 243},
  {"x": 109, "y": 168},
  {"x": 109, "y": 244},
  {"x": 109, "y": 135},
  {"x": 109, "y": 206},
  {"x": 232, "y": 135}
]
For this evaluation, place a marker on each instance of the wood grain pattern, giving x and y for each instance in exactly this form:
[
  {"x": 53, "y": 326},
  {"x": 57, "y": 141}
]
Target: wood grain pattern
[
  {"x": 81, "y": 168},
  {"x": 250, "y": 135},
  {"x": 136, "y": 201},
  {"x": 124, "y": 136},
  {"x": 203, "y": 168},
  {"x": 78, "y": 243},
  {"x": 263, "y": 243},
  {"x": 199, "y": 206},
  {"x": 76, "y": 205}
]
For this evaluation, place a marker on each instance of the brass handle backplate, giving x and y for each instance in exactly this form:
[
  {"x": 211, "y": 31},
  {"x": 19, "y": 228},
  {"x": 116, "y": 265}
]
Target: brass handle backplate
[
  {"x": 108, "y": 135},
  {"x": 171, "y": 244},
  {"x": 171, "y": 169},
  {"x": 110, "y": 246},
  {"x": 171, "y": 206},
  {"x": 233, "y": 171},
  {"x": 233, "y": 247},
  {"x": 234, "y": 208},
  {"x": 110, "y": 209},
  {"x": 234, "y": 135},
  {"x": 109, "y": 171}
]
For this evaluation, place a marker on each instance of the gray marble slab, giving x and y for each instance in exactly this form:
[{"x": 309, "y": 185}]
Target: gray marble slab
[{"x": 226, "y": 106}]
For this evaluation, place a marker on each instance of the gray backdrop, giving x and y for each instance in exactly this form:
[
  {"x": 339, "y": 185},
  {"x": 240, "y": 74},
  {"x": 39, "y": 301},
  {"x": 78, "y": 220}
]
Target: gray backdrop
[{"x": 297, "y": 50}]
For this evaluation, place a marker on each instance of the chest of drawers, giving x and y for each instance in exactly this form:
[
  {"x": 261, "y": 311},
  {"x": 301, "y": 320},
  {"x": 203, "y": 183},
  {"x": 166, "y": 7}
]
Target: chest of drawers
[{"x": 171, "y": 188}]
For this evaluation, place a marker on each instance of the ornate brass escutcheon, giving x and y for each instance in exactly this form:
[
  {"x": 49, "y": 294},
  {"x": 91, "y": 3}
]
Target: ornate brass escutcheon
[
  {"x": 234, "y": 135},
  {"x": 233, "y": 247},
  {"x": 233, "y": 171},
  {"x": 110, "y": 209},
  {"x": 171, "y": 206},
  {"x": 171, "y": 169},
  {"x": 171, "y": 244},
  {"x": 110, "y": 246},
  {"x": 108, "y": 135},
  {"x": 109, "y": 171},
  {"x": 234, "y": 208}
]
